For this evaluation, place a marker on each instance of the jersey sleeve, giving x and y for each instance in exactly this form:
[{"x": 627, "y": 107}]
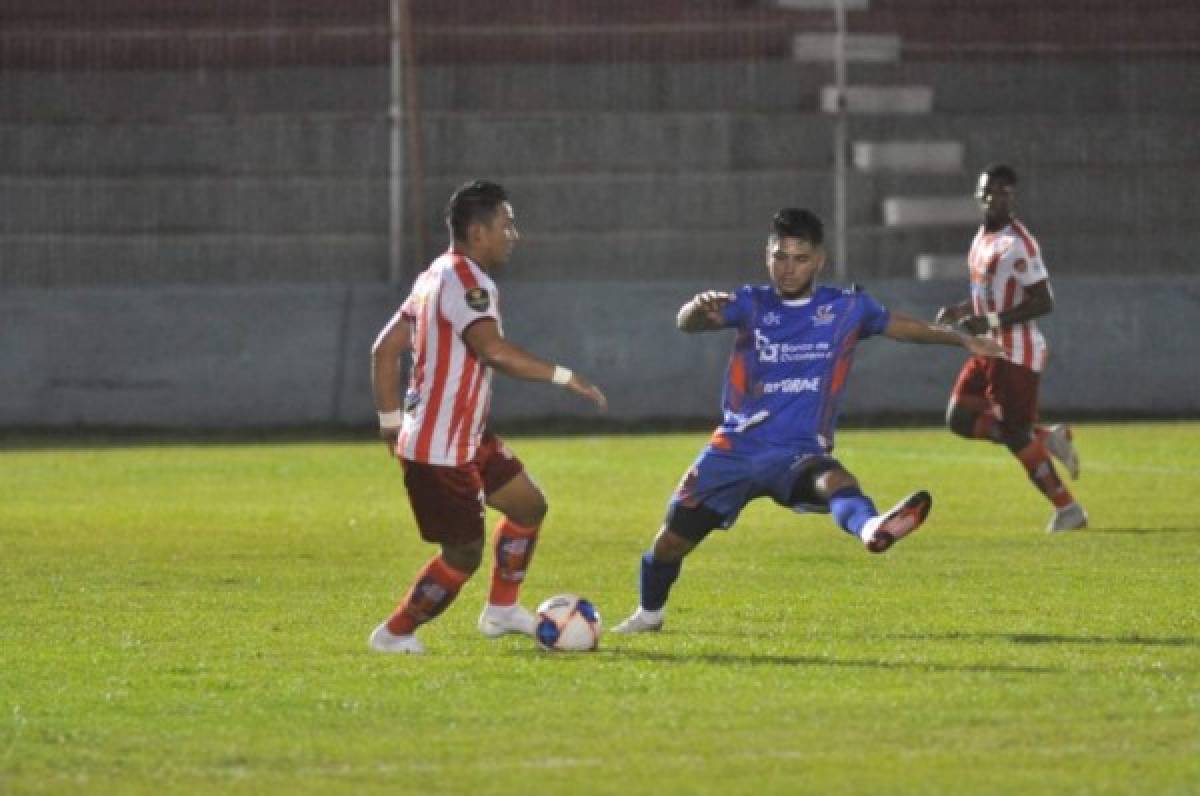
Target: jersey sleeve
[
  {"x": 409, "y": 308},
  {"x": 740, "y": 310},
  {"x": 1027, "y": 265},
  {"x": 875, "y": 316},
  {"x": 467, "y": 295}
]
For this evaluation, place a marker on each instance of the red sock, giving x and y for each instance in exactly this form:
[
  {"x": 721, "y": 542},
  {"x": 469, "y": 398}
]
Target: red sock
[
  {"x": 513, "y": 545},
  {"x": 436, "y": 586},
  {"x": 1036, "y": 461}
]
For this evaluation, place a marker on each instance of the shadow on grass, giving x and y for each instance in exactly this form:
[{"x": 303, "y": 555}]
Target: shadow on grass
[
  {"x": 1141, "y": 531},
  {"x": 733, "y": 659},
  {"x": 1055, "y": 638}
]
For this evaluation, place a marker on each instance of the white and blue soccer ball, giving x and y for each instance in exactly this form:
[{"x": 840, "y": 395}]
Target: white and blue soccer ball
[{"x": 568, "y": 623}]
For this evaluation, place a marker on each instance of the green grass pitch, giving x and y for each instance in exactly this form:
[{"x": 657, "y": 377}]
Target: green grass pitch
[{"x": 193, "y": 618}]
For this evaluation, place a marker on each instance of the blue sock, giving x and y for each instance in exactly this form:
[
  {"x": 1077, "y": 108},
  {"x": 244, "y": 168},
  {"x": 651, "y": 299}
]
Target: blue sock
[
  {"x": 851, "y": 508},
  {"x": 657, "y": 578}
]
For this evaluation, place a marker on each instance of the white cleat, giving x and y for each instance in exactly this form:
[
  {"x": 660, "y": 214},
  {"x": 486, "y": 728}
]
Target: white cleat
[
  {"x": 638, "y": 623},
  {"x": 885, "y": 530},
  {"x": 1068, "y": 518},
  {"x": 384, "y": 640},
  {"x": 1059, "y": 443},
  {"x": 500, "y": 620}
]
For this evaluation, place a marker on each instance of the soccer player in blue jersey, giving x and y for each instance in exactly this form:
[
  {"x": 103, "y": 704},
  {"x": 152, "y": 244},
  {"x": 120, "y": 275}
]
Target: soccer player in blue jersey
[{"x": 793, "y": 350}]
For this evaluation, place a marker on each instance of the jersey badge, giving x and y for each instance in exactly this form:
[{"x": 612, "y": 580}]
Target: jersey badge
[
  {"x": 824, "y": 315},
  {"x": 1021, "y": 265},
  {"x": 478, "y": 299}
]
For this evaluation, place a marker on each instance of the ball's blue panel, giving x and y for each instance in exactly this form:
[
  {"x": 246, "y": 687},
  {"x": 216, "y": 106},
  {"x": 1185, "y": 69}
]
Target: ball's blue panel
[{"x": 547, "y": 633}]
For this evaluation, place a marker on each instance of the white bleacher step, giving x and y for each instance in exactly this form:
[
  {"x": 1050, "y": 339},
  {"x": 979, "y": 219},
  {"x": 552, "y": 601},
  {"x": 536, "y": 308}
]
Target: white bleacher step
[
  {"x": 879, "y": 99},
  {"x": 820, "y": 5},
  {"x": 875, "y": 48},
  {"x": 941, "y": 266},
  {"x": 910, "y": 157},
  {"x": 929, "y": 211}
]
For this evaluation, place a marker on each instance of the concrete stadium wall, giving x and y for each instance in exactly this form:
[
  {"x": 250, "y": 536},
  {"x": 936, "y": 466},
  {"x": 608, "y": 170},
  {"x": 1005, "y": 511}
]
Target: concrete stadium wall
[
  {"x": 249, "y": 358},
  {"x": 619, "y": 170}
]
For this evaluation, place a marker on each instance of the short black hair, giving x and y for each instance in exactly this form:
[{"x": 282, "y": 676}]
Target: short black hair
[
  {"x": 474, "y": 202},
  {"x": 796, "y": 222},
  {"x": 1000, "y": 172}
]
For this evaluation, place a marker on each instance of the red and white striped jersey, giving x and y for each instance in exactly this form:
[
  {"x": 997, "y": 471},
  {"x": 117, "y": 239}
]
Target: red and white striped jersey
[
  {"x": 449, "y": 389},
  {"x": 1003, "y": 264}
]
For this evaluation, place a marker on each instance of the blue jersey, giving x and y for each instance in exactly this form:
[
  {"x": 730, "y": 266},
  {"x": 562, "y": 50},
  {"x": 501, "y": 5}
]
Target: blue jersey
[{"x": 789, "y": 364}]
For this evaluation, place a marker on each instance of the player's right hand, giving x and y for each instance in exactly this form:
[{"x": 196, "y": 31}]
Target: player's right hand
[
  {"x": 390, "y": 438},
  {"x": 585, "y": 388},
  {"x": 711, "y": 302}
]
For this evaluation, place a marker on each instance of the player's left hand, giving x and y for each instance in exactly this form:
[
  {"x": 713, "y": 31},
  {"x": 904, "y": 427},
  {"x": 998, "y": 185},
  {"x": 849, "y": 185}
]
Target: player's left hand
[{"x": 973, "y": 324}]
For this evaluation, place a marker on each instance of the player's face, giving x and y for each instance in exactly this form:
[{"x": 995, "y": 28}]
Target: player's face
[
  {"x": 997, "y": 198},
  {"x": 495, "y": 240},
  {"x": 793, "y": 264}
]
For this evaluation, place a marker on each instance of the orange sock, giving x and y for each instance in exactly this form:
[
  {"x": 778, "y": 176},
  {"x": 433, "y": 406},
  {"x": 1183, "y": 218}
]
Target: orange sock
[
  {"x": 513, "y": 545},
  {"x": 436, "y": 586},
  {"x": 1036, "y": 461}
]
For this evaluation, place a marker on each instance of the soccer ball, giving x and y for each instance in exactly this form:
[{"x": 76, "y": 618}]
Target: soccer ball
[{"x": 567, "y": 623}]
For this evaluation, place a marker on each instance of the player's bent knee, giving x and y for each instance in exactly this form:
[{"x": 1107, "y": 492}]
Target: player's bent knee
[
  {"x": 834, "y": 481},
  {"x": 960, "y": 420},
  {"x": 465, "y": 558},
  {"x": 689, "y": 525}
]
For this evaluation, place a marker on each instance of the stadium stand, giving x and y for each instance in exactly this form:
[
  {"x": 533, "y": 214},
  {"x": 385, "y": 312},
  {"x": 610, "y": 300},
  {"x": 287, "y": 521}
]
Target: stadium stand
[{"x": 236, "y": 143}]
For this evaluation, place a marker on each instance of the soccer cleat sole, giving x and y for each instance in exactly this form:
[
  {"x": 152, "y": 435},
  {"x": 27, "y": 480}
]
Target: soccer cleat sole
[{"x": 901, "y": 521}]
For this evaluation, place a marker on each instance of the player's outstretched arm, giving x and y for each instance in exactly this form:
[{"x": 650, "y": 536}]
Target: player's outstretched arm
[
  {"x": 484, "y": 338},
  {"x": 391, "y": 344},
  {"x": 908, "y": 329},
  {"x": 703, "y": 312}
]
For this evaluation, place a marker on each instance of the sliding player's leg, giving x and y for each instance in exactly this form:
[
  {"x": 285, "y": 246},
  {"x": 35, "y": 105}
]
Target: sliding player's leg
[
  {"x": 710, "y": 496},
  {"x": 821, "y": 483}
]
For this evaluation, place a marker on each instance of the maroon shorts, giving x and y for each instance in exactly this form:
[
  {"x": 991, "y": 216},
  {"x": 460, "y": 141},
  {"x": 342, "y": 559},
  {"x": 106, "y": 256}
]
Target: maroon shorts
[
  {"x": 1013, "y": 388},
  {"x": 448, "y": 502}
]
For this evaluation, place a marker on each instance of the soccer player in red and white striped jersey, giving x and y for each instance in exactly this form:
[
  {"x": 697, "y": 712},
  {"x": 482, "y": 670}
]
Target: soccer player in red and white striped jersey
[
  {"x": 453, "y": 466},
  {"x": 997, "y": 399}
]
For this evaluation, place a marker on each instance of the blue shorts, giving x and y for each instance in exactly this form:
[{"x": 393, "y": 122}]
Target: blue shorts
[{"x": 724, "y": 481}]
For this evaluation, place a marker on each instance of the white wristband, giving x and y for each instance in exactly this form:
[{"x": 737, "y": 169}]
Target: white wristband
[
  {"x": 993, "y": 319},
  {"x": 392, "y": 419},
  {"x": 561, "y": 375}
]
